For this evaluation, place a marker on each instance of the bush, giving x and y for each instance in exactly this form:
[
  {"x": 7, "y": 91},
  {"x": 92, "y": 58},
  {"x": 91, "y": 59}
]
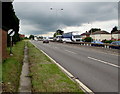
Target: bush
[
  {"x": 88, "y": 39},
  {"x": 107, "y": 41}
]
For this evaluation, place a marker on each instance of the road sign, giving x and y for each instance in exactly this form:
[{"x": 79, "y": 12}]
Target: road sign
[{"x": 11, "y": 32}]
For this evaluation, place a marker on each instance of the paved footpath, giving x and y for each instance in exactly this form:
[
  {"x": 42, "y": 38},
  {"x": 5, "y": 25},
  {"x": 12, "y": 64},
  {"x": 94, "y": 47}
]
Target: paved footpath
[{"x": 25, "y": 81}]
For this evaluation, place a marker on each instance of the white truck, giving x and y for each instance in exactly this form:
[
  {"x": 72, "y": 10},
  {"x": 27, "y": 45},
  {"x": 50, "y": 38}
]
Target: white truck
[{"x": 71, "y": 37}]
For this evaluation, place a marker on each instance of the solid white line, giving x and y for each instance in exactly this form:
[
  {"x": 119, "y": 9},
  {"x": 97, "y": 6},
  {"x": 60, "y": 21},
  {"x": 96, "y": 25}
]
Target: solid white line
[
  {"x": 82, "y": 86},
  {"x": 70, "y": 52},
  {"x": 104, "y": 62}
]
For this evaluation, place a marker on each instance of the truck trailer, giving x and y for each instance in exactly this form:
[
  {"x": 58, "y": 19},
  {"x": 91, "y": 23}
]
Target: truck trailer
[{"x": 71, "y": 37}]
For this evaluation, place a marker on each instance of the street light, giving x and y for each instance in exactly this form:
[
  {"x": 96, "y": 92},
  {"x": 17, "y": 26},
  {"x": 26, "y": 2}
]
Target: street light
[
  {"x": 56, "y": 10},
  {"x": 91, "y": 32},
  {"x": 11, "y": 33}
]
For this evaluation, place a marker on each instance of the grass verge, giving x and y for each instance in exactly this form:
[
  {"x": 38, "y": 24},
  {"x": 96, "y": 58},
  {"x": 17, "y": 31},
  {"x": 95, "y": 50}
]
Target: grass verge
[
  {"x": 11, "y": 68},
  {"x": 47, "y": 76}
]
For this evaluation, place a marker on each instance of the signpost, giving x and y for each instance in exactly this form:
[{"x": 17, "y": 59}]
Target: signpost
[{"x": 11, "y": 34}]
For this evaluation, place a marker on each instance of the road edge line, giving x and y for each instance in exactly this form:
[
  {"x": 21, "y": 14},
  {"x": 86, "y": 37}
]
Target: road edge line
[{"x": 82, "y": 86}]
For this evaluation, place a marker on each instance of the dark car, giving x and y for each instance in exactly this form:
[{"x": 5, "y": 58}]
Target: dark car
[
  {"x": 97, "y": 44},
  {"x": 116, "y": 43},
  {"x": 45, "y": 41}
]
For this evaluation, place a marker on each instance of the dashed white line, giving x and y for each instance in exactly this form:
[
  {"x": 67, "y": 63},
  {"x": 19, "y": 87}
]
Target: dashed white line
[
  {"x": 82, "y": 86},
  {"x": 56, "y": 47},
  {"x": 104, "y": 62},
  {"x": 109, "y": 54},
  {"x": 70, "y": 52}
]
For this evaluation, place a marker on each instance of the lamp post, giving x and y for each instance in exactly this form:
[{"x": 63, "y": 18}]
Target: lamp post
[
  {"x": 11, "y": 33},
  {"x": 56, "y": 10},
  {"x": 90, "y": 29}
]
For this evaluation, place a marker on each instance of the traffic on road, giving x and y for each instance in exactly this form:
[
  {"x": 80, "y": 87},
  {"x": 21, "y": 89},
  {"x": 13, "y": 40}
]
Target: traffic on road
[{"x": 98, "y": 70}]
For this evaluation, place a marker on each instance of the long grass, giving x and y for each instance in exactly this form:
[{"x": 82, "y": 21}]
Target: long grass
[{"x": 11, "y": 68}]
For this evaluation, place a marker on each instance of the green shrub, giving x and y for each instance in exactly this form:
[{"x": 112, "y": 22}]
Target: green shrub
[{"x": 88, "y": 39}]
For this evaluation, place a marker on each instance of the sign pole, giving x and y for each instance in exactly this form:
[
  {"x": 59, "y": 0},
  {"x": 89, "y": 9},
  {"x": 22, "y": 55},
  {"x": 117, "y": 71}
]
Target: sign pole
[
  {"x": 11, "y": 33},
  {"x": 11, "y": 54}
]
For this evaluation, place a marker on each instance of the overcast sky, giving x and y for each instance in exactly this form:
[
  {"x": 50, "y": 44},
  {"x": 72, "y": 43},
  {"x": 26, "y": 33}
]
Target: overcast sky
[{"x": 36, "y": 17}]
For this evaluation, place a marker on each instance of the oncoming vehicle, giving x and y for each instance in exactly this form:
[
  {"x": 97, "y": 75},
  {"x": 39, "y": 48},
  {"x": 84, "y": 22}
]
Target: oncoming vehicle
[
  {"x": 115, "y": 43},
  {"x": 58, "y": 38},
  {"x": 71, "y": 37},
  {"x": 76, "y": 38},
  {"x": 98, "y": 42},
  {"x": 45, "y": 41}
]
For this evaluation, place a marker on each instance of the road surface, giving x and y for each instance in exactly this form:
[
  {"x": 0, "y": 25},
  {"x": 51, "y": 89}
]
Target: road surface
[{"x": 96, "y": 69}]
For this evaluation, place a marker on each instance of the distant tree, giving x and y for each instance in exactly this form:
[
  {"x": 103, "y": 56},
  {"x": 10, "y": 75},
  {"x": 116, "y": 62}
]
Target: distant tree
[
  {"x": 88, "y": 39},
  {"x": 114, "y": 29},
  {"x": 9, "y": 19},
  {"x": 40, "y": 37},
  {"x": 94, "y": 30},
  {"x": 54, "y": 34},
  {"x": 31, "y": 37},
  {"x": 26, "y": 38},
  {"x": 58, "y": 32}
]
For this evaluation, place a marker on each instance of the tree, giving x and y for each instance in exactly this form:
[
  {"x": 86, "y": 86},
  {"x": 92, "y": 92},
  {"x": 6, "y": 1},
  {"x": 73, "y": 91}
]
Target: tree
[
  {"x": 31, "y": 37},
  {"x": 10, "y": 21},
  {"x": 54, "y": 34},
  {"x": 16, "y": 37},
  {"x": 88, "y": 39},
  {"x": 58, "y": 32},
  {"x": 114, "y": 29}
]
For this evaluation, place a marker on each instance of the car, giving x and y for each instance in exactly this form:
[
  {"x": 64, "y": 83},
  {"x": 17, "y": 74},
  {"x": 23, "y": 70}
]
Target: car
[
  {"x": 45, "y": 41},
  {"x": 115, "y": 43},
  {"x": 98, "y": 42}
]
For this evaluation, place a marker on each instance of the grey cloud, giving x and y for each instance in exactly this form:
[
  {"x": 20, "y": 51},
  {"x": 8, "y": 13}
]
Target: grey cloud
[{"x": 39, "y": 15}]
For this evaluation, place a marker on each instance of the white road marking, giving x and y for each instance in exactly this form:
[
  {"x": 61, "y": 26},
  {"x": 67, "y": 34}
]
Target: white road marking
[
  {"x": 104, "y": 62},
  {"x": 70, "y": 52},
  {"x": 56, "y": 47},
  {"x": 82, "y": 86},
  {"x": 109, "y": 54}
]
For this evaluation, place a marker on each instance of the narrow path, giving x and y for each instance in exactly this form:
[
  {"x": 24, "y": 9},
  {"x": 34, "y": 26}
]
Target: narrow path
[{"x": 25, "y": 81}]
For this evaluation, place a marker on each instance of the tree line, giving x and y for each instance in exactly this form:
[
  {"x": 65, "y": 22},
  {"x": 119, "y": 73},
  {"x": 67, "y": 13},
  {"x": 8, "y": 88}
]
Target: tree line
[{"x": 10, "y": 21}]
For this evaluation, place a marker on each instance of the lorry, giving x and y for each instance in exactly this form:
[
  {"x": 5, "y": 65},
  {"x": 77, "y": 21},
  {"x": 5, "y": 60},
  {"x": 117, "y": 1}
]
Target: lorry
[{"x": 71, "y": 37}]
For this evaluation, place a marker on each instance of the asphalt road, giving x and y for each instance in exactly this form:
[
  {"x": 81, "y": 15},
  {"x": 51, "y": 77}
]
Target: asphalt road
[{"x": 98, "y": 70}]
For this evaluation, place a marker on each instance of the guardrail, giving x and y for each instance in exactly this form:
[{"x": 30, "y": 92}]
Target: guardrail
[{"x": 105, "y": 45}]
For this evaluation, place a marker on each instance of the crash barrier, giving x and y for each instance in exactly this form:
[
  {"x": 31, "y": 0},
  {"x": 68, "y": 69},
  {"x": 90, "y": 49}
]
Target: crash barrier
[{"x": 105, "y": 45}]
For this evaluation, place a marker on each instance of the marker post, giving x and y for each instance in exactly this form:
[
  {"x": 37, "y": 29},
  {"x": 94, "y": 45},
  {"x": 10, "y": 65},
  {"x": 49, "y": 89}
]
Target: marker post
[{"x": 11, "y": 33}]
